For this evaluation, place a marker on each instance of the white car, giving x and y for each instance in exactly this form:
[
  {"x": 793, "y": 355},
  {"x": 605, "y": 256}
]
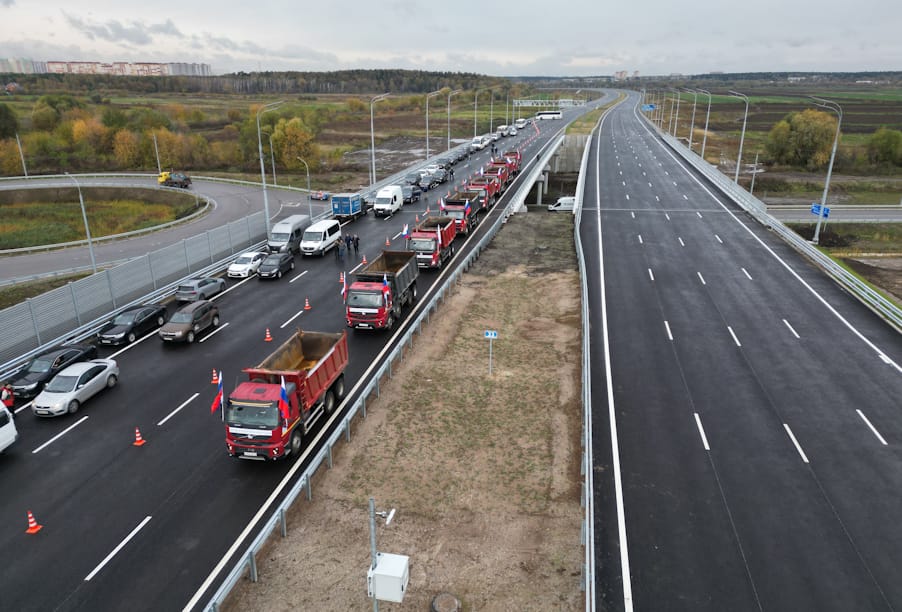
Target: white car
[
  {"x": 246, "y": 264},
  {"x": 511, "y": 131},
  {"x": 75, "y": 385}
]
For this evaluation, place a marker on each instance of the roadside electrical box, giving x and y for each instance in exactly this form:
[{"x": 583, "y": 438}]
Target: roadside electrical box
[{"x": 388, "y": 580}]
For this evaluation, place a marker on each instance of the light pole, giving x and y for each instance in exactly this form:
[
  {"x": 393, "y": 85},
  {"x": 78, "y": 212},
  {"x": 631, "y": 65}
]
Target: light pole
[
  {"x": 742, "y": 137},
  {"x": 491, "y": 109},
  {"x": 670, "y": 121},
  {"x": 21, "y": 155},
  {"x": 692, "y": 121},
  {"x": 707, "y": 116},
  {"x": 84, "y": 217},
  {"x": 429, "y": 95},
  {"x": 272, "y": 156},
  {"x": 475, "y": 107},
  {"x": 836, "y": 108},
  {"x": 260, "y": 111},
  {"x": 156, "y": 151},
  {"x": 676, "y": 122},
  {"x": 373, "y": 133},
  {"x": 456, "y": 91},
  {"x": 309, "y": 202}
]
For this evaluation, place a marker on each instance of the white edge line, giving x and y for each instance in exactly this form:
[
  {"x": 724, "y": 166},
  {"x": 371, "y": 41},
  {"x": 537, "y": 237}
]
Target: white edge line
[
  {"x": 60, "y": 435},
  {"x": 118, "y": 548},
  {"x": 718, "y": 239},
  {"x": 701, "y": 278},
  {"x": 297, "y": 277},
  {"x": 794, "y": 333},
  {"x": 174, "y": 412},
  {"x": 640, "y": 239},
  {"x": 795, "y": 442},
  {"x": 735, "y": 339},
  {"x": 701, "y": 432},
  {"x": 667, "y": 327},
  {"x": 749, "y": 276},
  {"x": 681, "y": 241},
  {"x": 295, "y": 316},
  {"x": 651, "y": 275},
  {"x": 213, "y": 333},
  {"x": 873, "y": 429}
]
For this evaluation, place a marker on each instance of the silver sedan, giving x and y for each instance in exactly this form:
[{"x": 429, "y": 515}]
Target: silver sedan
[{"x": 74, "y": 385}]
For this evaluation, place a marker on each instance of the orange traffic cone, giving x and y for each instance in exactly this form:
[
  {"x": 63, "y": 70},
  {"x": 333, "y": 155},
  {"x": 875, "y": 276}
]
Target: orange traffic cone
[
  {"x": 341, "y": 278},
  {"x": 364, "y": 260},
  {"x": 33, "y": 526},
  {"x": 139, "y": 441},
  {"x": 418, "y": 218},
  {"x": 307, "y": 304},
  {"x": 215, "y": 380},
  {"x": 387, "y": 241},
  {"x": 268, "y": 337}
]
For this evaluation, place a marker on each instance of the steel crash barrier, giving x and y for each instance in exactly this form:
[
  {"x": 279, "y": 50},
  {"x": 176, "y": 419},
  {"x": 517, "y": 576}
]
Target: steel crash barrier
[{"x": 758, "y": 210}]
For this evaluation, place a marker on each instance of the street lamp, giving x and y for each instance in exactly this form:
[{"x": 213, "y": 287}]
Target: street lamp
[
  {"x": 836, "y": 108},
  {"x": 156, "y": 150},
  {"x": 373, "y": 134},
  {"x": 692, "y": 121},
  {"x": 742, "y": 137},
  {"x": 676, "y": 122},
  {"x": 272, "y": 156},
  {"x": 456, "y": 91},
  {"x": 429, "y": 95},
  {"x": 260, "y": 111},
  {"x": 707, "y": 116},
  {"x": 309, "y": 203},
  {"x": 21, "y": 155},
  {"x": 475, "y": 107},
  {"x": 84, "y": 217}
]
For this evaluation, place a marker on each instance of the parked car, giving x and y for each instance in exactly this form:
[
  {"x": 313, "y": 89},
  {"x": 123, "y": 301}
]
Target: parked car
[
  {"x": 75, "y": 385},
  {"x": 31, "y": 378},
  {"x": 411, "y": 193},
  {"x": 129, "y": 324},
  {"x": 275, "y": 265},
  {"x": 246, "y": 264},
  {"x": 440, "y": 176},
  {"x": 199, "y": 289},
  {"x": 412, "y": 179},
  {"x": 190, "y": 320},
  {"x": 444, "y": 162},
  {"x": 428, "y": 181}
]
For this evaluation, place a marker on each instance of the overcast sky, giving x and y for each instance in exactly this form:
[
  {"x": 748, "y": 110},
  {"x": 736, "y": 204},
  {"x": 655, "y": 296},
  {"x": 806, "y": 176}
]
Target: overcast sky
[{"x": 554, "y": 37}]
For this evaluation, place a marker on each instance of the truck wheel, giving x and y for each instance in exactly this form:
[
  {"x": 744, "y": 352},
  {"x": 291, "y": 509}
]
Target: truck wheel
[
  {"x": 339, "y": 388},
  {"x": 329, "y": 403},
  {"x": 294, "y": 445},
  {"x": 390, "y": 323},
  {"x": 413, "y": 293}
]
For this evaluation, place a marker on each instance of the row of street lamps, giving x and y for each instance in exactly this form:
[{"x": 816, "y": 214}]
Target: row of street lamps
[{"x": 673, "y": 125}]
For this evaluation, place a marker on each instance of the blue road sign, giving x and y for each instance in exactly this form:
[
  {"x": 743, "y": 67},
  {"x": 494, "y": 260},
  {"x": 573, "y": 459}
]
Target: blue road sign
[
  {"x": 649, "y": 107},
  {"x": 816, "y": 210},
  {"x": 491, "y": 334}
]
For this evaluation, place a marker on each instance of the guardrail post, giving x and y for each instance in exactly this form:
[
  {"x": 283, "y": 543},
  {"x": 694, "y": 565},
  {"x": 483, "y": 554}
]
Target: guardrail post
[
  {"x": 210, "y": 246},
  {"x": 363, "y": 409},
  {"x": 390, "y": 360},
  {"x": 377, "y": 388},
  {"x": 347, "y": 430},
  {"x": 109, "y": 284},
  {"x": 153, "y": 279},
  {"x": 283, "y": 524},
  {"x": 307, "y": 487},
  {"x": 252, "y": 566},
  {"x": 75, "y": 302},
  {"x": 34, "y": 320},
  {"x": 329, "y": 455},
  {"x": 231, "y": 240},
  {"x": 187, "y": 261}
]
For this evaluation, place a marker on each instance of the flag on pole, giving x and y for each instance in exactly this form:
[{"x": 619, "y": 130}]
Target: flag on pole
[
  {"x": 217, "y": 401},
  {"x": 438, "y": 235},
  {"x": 441, "y": 204},
  {"x": 406, "y": 232},
  {"x": 467, "y": 209},
  {"x": 344, "y": 287},
  {"x": 384, "y": 279},
  {"x": 283, "y": 401}
]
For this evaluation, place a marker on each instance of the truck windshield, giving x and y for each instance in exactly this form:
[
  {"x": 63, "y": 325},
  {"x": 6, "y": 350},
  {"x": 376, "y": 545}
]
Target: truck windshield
[
  {"x": 455, "y": 214},
  {"x": 423, "y": 245},
  {"x": 365, "y": 299},
  {"x": 383, "y": 201},
  {"x": 257, "y": 415},
  {"x": 312, "y": 236},
  {"x": 279, "y": 237}
]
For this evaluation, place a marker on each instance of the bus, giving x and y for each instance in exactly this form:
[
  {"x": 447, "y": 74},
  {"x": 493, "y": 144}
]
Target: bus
[{"x": 549, "y": 115}]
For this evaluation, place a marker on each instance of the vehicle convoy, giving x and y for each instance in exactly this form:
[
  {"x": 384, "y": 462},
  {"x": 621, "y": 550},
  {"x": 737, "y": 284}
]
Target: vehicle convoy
[
  {"x": 490, "y": 183},
  {"x": 433, "y": 241},
  {"x": 388, "y": 201},
  {"x": 174, "y": 179},
  {"x": 267, "y": 415},
  {"x": 500, "y": 170},
  {"x": 381, "y": 289},
  {"x": 348, "y": 206},
  {"x": 464, "y": 207},
  {"x": 513, "y": 159},
  {"x": 286, "y": 234}
]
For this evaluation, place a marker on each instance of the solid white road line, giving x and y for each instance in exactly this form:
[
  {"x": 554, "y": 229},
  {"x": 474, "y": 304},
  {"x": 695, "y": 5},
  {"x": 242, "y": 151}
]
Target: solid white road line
[
  {"x": 118, "y": 548},
  {"x": 60, "y": 435},
  {"x": 744, "y": 271},
  {"x": 213, "y": 333},
  {"x": 735, "y": 339},
  {"x": 295, "y": 316},
  {"x": 795, "y": 442},
  {"x": 667, "y": 328},
  {"x": 701, "y": 278},
  {"x": 651, "y": 275},
  {"x": 297, "y": 277},
  {"x": 791, "y": 329},
  {"x": 174, "y": 412},
  {"x": 701, "y": 432},
  {"x": 873, "y": 429}
]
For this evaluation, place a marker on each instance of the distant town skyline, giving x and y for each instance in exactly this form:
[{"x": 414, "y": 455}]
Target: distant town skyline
[{"x": 578, "y": 38}]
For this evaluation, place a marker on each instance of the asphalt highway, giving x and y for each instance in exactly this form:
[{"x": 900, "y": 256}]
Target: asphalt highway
[
  {"x": 142, "y": 527},
  {"x": 745, "y": 408}
]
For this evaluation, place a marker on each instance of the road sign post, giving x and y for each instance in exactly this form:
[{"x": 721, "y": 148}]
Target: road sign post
[{"x": 491, "y": 334}]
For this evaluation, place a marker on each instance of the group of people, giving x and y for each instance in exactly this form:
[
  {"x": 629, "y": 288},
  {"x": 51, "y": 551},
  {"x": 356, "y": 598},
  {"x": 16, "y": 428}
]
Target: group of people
[{"x": 344, "y": 244}]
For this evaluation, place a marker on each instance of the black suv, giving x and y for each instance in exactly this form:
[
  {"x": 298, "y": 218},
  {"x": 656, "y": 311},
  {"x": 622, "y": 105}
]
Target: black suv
[
  {"x": 411, "y": 193},
  {"x": 31, "y": 378}
]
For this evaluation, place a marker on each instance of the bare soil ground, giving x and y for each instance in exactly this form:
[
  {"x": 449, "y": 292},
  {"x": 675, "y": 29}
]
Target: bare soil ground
[{"x": 484, "y": 470}]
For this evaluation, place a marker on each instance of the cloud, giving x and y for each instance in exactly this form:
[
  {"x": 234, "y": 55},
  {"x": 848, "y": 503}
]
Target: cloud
[
  {"x": 133, "y": 33},
  {"x": 7, "y": 3}
]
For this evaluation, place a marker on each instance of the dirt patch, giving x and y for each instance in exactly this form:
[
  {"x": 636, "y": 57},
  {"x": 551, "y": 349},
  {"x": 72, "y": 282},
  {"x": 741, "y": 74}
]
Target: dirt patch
[
  {"x": 484, "y": 471},
  {"x": 883, "y": 272}
]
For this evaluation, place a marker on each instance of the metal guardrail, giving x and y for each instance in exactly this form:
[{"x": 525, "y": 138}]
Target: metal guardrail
[
  {"x": 247, "y": 559},
  {"x": 755, "y": 207}
]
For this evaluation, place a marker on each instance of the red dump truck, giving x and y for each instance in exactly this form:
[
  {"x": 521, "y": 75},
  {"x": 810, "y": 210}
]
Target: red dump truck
[
  {"x": 514, "y": 159},
  {"x": 381, "y": 289},
  {"x": 432, "y": 240},
  {"x": 267, "y": 415},
  {"x": 500, "y": 170},
  {"x": 490, "y": 183},
  {"x": 465, "y": 207}
]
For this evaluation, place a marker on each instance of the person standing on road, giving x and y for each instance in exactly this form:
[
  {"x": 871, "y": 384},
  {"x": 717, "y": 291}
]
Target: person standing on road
[
  {"x": 356, "y": 244},
  {"x": 341, "y": 249},
  {"x": 349, "y": 240},
  {"x": 7, "y": 396},
  {"x": 337, "y": 246}
]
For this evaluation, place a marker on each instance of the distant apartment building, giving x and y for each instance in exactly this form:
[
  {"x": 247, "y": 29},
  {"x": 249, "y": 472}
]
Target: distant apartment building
[{"x": 27, "y": 66}]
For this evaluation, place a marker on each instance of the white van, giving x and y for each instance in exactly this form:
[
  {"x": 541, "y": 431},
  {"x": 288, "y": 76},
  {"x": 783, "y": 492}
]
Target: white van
[
  {"x": 563, "y": 203},
  {"x": 8, "y": 432},
  {"x": 520, "y": 124},
  {"x": 388, "y": 201},
  {"x": 286, "y": 234},
  {"x": 503, "y": 130},
  {"x": 320, "y": 237},
  {"x": 477, "y": 144}
]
